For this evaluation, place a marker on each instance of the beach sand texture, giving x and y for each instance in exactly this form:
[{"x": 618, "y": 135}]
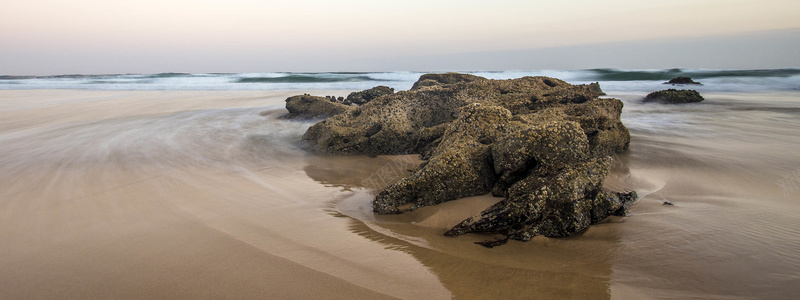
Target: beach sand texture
[{"x": 206, "y": 194}]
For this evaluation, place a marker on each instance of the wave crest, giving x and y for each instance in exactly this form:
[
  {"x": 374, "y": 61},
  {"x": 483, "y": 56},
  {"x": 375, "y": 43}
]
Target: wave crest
[
  {"x": 298, "y": 78},
  {"x": 633, "y": 75}
]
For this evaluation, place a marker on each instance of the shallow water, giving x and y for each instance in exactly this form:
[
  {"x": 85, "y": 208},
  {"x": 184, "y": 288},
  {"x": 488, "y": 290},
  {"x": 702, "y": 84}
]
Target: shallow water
[
  {"x": 725, "y": 164},
  {"x": 208, "y": 194}
]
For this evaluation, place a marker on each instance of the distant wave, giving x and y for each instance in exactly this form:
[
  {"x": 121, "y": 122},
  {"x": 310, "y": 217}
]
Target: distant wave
[
  {"x": 118, "y": 82},
  {"x": 631, "y": 75},
  {"x": 9, "y": 77},
  {"x": 321, "y": 78},
  {"x": 350, "y": 73},
  {"x": 99, "y": 82},
  {"x": 66, "y": 76},
  {"x": 102, "y": 76},
  {"x": 169, "y": 75}
]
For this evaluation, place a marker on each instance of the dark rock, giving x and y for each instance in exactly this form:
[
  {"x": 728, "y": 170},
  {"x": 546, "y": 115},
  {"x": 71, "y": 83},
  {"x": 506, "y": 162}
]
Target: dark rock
[
  {"x": 673, "y": 96},
  {"x": 681, "y": 80},
  {"x": 542, "y": 143},
  {"x": 308, "y": 107},
  {"x": 362, "y": 97},
  {"x": 554, "y": 206}
]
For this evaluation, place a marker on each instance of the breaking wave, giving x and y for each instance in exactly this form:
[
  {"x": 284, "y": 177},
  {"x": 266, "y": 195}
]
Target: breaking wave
[
  {"x": 309, "y": 78},
  {"x": 634, "y": 75}
]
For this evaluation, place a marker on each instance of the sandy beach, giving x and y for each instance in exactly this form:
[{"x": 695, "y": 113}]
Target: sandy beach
[
  {"x": 111, "y": 195},
  {"x": 208, "y": 194}
]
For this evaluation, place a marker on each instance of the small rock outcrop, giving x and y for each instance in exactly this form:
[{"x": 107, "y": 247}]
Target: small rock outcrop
[
  {"x": 681, "y": 80},
  {"x": 540, "y": 142},
  {"x": 362, "y": 97},
  {"x": 310, "y": 107},
  {"x": 314, "y": 107},
  {"x": 673, "y": 96}
]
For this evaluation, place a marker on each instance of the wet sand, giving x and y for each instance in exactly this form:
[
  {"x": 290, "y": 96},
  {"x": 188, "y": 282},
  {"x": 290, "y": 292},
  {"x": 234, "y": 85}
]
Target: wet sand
[
  {"x": 175, "y": 195},
  {"x": 198, "y": 194}
]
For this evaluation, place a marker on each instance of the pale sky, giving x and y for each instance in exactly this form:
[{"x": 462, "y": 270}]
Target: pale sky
[{"x": 45, "y": 37}]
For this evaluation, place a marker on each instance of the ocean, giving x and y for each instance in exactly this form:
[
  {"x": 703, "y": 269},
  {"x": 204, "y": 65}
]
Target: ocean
[
  {"x": 191, "y": 186},
  {"x": 614, "y": 79}
]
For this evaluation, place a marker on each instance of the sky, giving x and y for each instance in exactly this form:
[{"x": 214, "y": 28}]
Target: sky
[{"x": 48, "y": 37}]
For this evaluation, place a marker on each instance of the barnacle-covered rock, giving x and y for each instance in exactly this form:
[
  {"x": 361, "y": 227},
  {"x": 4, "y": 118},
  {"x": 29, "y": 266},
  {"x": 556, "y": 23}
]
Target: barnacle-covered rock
[
  {"x": 553, "y": 205},
  {"x": 540, "y": 142},
  {"x": 673, "y": 96},
  {"x": 459, "y": 167}
]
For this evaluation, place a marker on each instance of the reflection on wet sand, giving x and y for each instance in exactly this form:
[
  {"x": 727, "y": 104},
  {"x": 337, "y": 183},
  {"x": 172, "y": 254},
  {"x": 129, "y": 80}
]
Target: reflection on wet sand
[
  {"x": 202, "y": 202},
  {"x": 579, "y": 267}
]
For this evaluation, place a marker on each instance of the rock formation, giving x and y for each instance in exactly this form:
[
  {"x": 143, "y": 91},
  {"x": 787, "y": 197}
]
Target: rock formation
[
  {"x": 540, "y": 142},
  {"x": 309, "y": 107},
  {"x": 673, "y": 96}
]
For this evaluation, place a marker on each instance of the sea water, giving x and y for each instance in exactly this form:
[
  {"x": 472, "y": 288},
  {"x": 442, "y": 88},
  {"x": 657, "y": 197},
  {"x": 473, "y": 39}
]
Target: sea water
[{"x": 611, "y": 79}]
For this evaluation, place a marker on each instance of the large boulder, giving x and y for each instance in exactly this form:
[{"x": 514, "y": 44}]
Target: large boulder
[
  {"x": 673, "y": 96},
  {"x": 540, "y": 142}
]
